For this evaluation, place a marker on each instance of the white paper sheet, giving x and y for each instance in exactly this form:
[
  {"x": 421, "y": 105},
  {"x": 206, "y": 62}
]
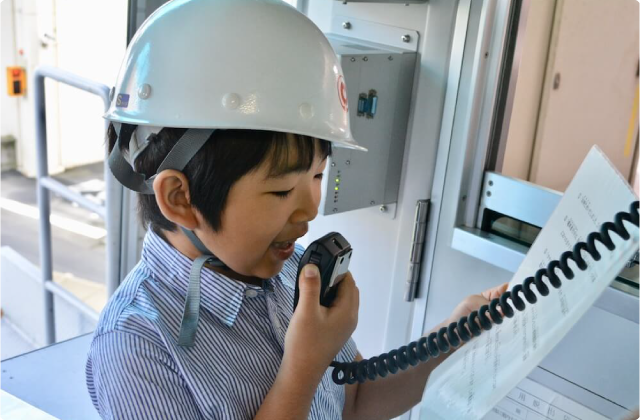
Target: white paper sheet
[
  {"x": 532, "y": 401},
  {"x": 13, "y": 408},
  {"x": 480, "y": 374}
]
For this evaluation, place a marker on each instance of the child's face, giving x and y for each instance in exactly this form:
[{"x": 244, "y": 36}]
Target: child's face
[{"x": 255, "y": 218}]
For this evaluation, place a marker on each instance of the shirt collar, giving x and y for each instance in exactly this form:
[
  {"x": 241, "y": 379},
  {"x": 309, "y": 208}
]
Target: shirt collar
[{"x": 220, "y": 294}]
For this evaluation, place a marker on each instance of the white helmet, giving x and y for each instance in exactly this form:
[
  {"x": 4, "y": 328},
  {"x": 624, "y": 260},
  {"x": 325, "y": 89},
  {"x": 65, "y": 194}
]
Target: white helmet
[
  {"x": 242, "y": 64},
  {"x": 223, "y": 64}
]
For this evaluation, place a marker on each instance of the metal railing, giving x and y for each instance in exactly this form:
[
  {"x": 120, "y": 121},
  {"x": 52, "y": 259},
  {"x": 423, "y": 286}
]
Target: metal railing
[{"x": 110, "y": 212}]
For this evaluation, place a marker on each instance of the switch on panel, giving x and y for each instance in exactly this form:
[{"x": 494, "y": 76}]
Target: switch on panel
[{"x": 16, "y": 81}]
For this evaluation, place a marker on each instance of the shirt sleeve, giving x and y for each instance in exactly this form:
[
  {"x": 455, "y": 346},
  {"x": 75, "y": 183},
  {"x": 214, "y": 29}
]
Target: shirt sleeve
[
  {"x": 128, "y": 377},
  {"x": 348, "y": 352}
]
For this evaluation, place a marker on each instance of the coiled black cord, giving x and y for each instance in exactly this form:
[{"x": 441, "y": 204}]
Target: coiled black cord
[{"x": 431, "y": 346}]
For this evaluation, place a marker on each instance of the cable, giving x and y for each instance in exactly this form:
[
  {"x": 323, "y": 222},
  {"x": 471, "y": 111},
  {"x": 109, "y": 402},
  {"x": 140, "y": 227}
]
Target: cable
[{"x": 439, "y": 342}]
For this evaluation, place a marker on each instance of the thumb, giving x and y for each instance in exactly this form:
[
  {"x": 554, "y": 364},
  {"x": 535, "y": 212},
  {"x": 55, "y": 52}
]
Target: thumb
[{"x": 309, "y": 285}]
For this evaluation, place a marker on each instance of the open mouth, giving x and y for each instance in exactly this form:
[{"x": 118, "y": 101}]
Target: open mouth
[
  {"x": 285, "y": 249},
  {"x": 282, "y": 245}
]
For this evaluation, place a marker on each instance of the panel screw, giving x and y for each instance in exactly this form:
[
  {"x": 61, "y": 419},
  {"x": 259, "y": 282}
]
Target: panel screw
[
  {"x": 491, "y": 183},
  {"x": 373, "y": 203},
  {"x": 335, "y": 210},
  {"x": 406, "y": 38},
  {"x": 353, "y": 59},
  {"x": 346, "y": 25},
  {"x": 365, "y": 58},
  {"x": 383, "y": 209},
  {"x": 488, "y": 193},
  {"x": 333, "y": 164},
  {"x": 348, "y": 162},
  {"x": 390, "y": 58}
]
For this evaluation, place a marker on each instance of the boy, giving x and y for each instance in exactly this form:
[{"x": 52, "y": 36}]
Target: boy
[{"x": 203, "y": 328}]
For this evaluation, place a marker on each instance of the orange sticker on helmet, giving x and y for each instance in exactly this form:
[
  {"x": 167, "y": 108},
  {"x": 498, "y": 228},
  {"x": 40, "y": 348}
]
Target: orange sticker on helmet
[{"x": 342, "y": 94}]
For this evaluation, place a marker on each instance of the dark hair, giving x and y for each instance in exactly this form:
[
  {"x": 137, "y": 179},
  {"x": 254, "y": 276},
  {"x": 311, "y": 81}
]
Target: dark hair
[{"x": 225, "y": 158}]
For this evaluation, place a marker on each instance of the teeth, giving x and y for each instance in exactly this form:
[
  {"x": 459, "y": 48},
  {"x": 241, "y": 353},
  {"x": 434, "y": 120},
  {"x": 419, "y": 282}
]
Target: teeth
[{"x": 282, "y": 245}]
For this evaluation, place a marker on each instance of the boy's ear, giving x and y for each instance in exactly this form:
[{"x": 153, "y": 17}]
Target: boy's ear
[{"x": 172, "y": 195}]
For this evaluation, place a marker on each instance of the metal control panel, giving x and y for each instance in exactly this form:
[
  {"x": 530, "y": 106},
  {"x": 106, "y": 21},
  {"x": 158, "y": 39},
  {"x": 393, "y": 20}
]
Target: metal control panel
[{"x": 379, "y": 83}]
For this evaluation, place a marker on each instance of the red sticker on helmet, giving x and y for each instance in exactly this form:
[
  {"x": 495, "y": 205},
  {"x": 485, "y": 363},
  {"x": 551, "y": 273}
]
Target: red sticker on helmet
[{"x": 342, "y": 94}]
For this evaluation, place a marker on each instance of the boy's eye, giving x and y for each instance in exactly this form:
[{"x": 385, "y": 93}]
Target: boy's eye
[
  {"x": 285, "y": 194},
  {"x": 282, "y": 194}
]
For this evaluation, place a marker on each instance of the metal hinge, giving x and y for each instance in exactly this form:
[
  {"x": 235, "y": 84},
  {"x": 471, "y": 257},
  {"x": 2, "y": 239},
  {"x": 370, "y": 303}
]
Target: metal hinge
[{"x": 417, "y": 247}]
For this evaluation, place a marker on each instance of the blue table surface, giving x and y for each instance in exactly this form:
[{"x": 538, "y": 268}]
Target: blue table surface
[{"x": 52, "y": 379}]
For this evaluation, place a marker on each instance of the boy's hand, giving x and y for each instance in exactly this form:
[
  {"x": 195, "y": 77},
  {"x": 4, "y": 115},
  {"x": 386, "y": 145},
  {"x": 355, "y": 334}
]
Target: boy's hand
[
  {"x": 474, "y": 302},
  {"x": 634, "y": 416},
  {"x": 316, "y": 333}
]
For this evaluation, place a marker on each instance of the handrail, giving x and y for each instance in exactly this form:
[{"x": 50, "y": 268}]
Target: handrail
[
  {"x": 110, "y": 211},
  {"x": 64, "y": 191}
]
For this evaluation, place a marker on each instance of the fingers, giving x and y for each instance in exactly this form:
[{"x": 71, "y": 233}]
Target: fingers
[
  {"x": 347, "y": 292},
  {"x": 347, "y": 303},
  {"x": 495, "y": 292},
  {"x": 309, "y": 286},
  {"x": 633, "y": 416},
  {"x": 475, "y": 302}
]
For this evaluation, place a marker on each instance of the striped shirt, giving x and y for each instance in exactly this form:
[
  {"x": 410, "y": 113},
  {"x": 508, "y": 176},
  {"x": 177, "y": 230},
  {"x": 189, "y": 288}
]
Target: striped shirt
[{"x": 135, "y": 369}]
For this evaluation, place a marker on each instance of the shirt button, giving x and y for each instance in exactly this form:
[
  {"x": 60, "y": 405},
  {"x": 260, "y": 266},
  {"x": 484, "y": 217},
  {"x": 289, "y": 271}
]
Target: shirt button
[{"x": 251, "y": 293}]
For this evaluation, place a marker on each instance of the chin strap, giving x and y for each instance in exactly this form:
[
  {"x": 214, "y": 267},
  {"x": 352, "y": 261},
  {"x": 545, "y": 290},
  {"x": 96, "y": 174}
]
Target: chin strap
[
  {"x": 182, "y": 152},
  {"x": 191, "y": 313},
  {"x": 121, "y": 168}
]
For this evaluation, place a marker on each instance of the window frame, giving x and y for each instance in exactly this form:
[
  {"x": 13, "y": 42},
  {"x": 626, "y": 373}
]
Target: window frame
[{"x": 483, "y": 188}]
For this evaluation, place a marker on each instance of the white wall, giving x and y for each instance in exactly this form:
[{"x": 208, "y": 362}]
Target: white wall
[
  {"x": 87, "y": 38},
  {"x": 320, "y": 12},
  {"x": 91, "y": 41},
  {"x": 31, "y": 19},
  {"x": 8, "y": 58},
  {"x": 382, "y": 245}
]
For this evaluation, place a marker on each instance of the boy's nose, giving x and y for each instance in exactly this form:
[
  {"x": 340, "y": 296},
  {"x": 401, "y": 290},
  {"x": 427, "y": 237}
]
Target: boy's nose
[
  {"x": 307, "y": 206},
  {"x": 305, "y": 213}
]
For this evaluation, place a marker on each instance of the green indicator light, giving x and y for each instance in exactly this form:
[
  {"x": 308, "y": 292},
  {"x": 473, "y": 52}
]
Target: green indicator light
[
  {"x": 337, "y": 188},
  {"x": 337, "y": 180}
]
